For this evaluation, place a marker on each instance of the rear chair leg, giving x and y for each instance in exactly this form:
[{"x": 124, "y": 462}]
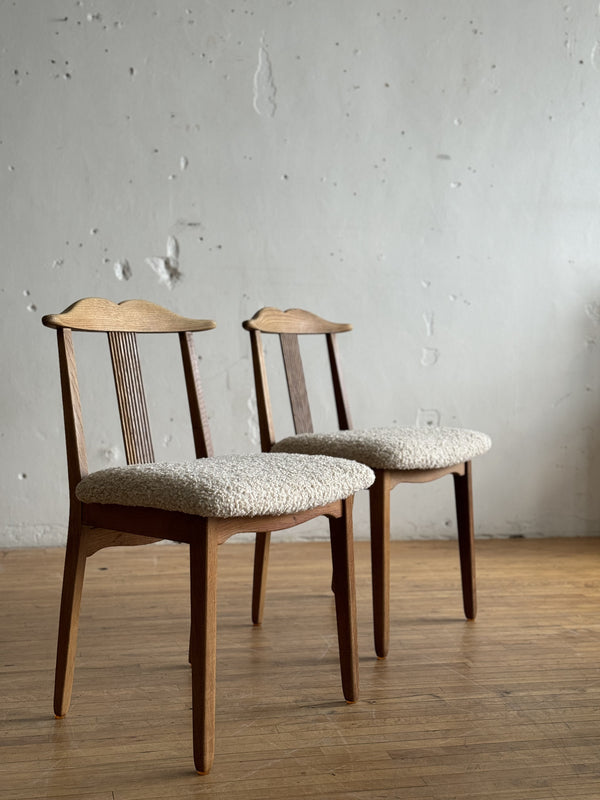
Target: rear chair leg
[
  {"x": 259, "y": 584},
  {"x": 68, "y": 625},
  {"x": 203, "y": 590},
  {"x": 379, "y": 504},
  {"x": 342, "y": 554},
  {"x": 463, "y": 494}
]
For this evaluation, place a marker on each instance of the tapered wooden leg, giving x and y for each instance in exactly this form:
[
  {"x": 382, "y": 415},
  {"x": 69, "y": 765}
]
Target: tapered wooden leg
[
  {"x": 379, "y": 504},
  {"x": 68, "y": 625},
  {"x": 203, "y": 581},
  {"x": 259, "y": 584},
  {"x": 342, "y": 553},
  {"x": 466, "y": 539}
]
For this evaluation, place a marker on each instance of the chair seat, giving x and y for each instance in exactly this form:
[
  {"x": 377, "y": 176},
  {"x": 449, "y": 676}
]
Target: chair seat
[
  {"x": 253, "y": 485},
  {"x": 401, "y": 448}
]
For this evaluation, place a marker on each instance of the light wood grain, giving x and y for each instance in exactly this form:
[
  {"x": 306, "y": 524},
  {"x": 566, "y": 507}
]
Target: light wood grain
[
  {"x": 77, "y": 464},
  {"x": 198, "y": 414},
  {"x": 294, "y": 320},
  {"x": 263, "y": 399},
  {"x": 131, "y": 397},
  {"x": 296, "y": 382},
  {"x": 503, "y": 708},
  {"x": 141, "y": 316},
  {"x": 339, "y": 391}
]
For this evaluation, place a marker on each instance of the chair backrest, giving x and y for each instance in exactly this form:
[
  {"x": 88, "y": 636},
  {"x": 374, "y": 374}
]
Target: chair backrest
[
  {"x": 289, "y": 325},
  {"x": 122, "y": 322}
]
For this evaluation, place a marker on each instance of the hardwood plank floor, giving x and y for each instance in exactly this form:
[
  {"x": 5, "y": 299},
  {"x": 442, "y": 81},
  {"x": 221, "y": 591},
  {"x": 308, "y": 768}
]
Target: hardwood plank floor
[{"x": 503, "y": 708}]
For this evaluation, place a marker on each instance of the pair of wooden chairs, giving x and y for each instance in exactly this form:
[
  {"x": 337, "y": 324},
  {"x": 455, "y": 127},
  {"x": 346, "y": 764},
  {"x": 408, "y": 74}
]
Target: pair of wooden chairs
[{"x": 206, "y": 501}]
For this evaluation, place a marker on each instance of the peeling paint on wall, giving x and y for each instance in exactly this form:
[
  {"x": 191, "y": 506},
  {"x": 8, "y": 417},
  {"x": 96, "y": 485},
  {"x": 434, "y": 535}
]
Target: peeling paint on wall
[
  {"x": 265, "y": 91},
  {"x": 593, "y": 312},
  {"x": 122, "y": 270},
  {"x": 172, "y": 249},
  {"x": 429, "y": 356},
  {"x": 167, "y": 267},
  {"x": 428, "y": 319},
  {"x": 168, "y": 273}
]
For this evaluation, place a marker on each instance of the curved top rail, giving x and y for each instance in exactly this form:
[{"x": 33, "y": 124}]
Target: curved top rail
[
  {"x": 136, "y": 316},
  {"x": 294, "y": 320}
]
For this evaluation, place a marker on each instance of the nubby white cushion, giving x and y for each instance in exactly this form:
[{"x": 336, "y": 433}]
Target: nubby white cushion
[
  {"x": 394, "y": 447},
  {"x": 261, "y": 484}
]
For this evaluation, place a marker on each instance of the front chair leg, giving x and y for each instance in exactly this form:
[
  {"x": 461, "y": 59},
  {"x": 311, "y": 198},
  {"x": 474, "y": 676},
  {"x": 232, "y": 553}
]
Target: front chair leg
[
  {"x": 342, "y": 554},
  {"x": 68, "y": 625},
  {"x": 379, "y": 505},
  {"x": 203, "y": 647},
  {"x": 463, "y": 494},
  {"x": 259, "y": 583}
]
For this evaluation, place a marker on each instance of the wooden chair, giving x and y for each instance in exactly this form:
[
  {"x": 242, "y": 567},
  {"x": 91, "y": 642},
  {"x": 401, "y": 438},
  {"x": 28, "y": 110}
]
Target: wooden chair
[
  {"x": 397, "y": 455},
  {"x": 191, "y": 502}
]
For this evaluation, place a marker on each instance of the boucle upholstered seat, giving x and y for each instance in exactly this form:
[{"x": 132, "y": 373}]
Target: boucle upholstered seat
[
  {"x": 254, "y": 485},
  {"x": 201, "y": 503},
  {"x": 397, "y": 454},
  {"x": 393, "y": 448}
]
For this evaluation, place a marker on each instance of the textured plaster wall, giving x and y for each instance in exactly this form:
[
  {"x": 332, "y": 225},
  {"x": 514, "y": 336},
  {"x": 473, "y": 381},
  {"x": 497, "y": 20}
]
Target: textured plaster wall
[{"x": 426, "y": 169}]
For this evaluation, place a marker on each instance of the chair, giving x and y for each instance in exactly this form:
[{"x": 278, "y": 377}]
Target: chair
[
  {"x": 202, "y": 502},
  {"x": 396, "y": 454}
]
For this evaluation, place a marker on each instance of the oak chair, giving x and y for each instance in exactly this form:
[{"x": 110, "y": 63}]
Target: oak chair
[
  {"x": 202, "y": 502},
  {"x": 396, "y": 454}
]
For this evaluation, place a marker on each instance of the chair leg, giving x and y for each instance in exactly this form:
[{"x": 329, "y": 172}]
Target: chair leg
[
  {"x": 463, "y": 494},
  {"x": 379, "y": 505},
  {"x": 259, "y": 584},
  {"x": 203, "y": 591},
  {"x": 68, "y": 625},
  {"x": 342, "y": 554}
]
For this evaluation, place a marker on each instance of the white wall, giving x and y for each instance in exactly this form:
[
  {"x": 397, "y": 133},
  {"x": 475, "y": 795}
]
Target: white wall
[{"x": 427, "y": 170}]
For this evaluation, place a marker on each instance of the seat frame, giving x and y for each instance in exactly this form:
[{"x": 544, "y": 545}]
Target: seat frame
[
  {"x": 94, "y": 526},
  {"x": 288, "y": 326}
]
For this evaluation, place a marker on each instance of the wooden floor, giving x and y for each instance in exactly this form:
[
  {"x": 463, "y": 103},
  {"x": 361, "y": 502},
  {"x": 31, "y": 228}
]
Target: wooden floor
[{"x": 505, "y": 708}]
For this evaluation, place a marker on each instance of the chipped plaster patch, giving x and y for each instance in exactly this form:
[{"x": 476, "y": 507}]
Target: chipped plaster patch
[
  {"x": 265, "y": 91},
  {"x": 593, "y": 312},
  {"x": 429, "y": 356},
  {"x": 168, "y": 273},
  {"x": 122, "y": 270},
  {"x": 167, "y": 267},
  {"x": 428, "y": 319}
]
